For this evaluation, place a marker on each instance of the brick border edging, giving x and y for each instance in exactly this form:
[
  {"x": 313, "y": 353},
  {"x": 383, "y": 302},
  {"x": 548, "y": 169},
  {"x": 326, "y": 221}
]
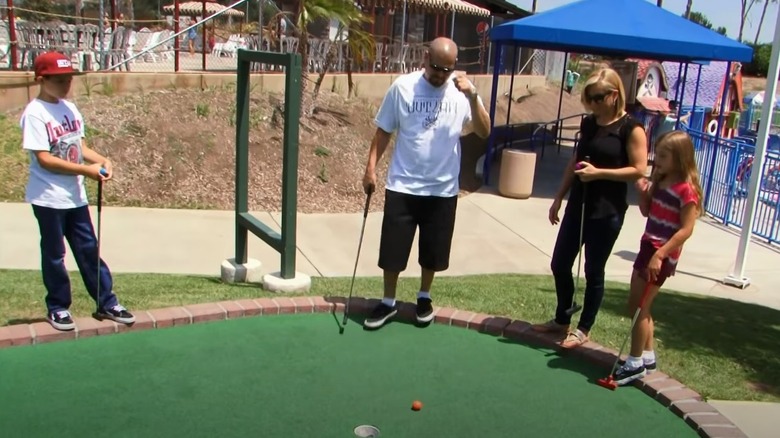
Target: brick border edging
[{"x": 684, "y": 402}]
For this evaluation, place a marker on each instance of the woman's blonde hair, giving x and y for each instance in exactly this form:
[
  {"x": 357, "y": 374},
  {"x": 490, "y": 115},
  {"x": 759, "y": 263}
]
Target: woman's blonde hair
[
  {"x": 606, "y": 80},
  {"x": 680, "y": 146}
]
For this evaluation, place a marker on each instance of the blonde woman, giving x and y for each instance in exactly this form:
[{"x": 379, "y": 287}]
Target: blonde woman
[{"x": 610, "y": 155}]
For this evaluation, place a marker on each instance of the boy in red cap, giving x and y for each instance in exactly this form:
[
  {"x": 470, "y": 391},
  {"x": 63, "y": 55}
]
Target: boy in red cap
[{"x": 53, "y": 133}]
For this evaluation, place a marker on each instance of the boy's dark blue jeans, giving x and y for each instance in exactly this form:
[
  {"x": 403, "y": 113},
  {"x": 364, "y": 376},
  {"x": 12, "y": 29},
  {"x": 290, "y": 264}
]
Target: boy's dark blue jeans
[
  {"x": 75, "y": 225},
  {"x": 599, "y": 236}
]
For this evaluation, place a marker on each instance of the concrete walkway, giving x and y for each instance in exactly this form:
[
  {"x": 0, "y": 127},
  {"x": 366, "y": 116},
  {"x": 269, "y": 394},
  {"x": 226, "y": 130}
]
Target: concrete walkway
[{"x": 493, "y": 235}]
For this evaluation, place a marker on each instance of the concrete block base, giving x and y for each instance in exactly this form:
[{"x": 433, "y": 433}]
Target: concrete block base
[
  {"x": 275, "y": 283},
  {"x": 248, "y": 272}
]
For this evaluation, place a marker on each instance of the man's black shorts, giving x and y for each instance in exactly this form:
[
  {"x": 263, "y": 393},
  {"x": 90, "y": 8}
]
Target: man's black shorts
[{"x": 403, "y": 214}]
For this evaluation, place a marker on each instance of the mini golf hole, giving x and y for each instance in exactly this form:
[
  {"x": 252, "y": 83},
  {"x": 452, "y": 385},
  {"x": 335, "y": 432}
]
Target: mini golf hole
[{"x": 366, "y": 431}]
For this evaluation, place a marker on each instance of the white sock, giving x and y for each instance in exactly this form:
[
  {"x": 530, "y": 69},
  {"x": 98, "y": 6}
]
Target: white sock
[
  {"x": 422, "y": 294},
  {"x": 388, "y": 301},
  {"x": 634, "y": 362},
  {"x": 648, "y": 356}
]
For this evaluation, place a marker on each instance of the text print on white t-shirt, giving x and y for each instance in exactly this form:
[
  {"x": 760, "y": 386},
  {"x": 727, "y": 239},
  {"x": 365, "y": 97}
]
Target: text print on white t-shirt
[
  {"x": 428, "y": 109},
  {"x": 65, "y": 139}
]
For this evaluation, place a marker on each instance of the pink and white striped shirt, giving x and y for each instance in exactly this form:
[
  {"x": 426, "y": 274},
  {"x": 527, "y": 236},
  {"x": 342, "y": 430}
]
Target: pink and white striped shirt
[{"x": 664, "y": 218}]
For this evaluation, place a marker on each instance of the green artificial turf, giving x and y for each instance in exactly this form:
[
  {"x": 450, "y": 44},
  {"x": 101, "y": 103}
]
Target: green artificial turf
[{"x": 295, "y": 376}]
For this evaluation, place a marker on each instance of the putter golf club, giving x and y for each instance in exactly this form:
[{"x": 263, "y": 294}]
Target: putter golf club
[
  {"x": 609, "y": 382},
  {"x": 103, "y": 172},
  {"x": 576, "y": 307},
  {"x": 369, "y": 191}
]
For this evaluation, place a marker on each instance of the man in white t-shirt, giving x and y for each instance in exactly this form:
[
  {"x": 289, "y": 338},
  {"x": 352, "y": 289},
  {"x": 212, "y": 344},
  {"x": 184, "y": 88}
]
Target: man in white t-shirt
[
  {"x": 429, "y": 111},
  {"x": 53, "y": 134}
]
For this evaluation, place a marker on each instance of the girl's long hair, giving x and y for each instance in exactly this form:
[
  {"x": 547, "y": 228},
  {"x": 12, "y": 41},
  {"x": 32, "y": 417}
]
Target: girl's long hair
[{"x": 680, "y": 145}]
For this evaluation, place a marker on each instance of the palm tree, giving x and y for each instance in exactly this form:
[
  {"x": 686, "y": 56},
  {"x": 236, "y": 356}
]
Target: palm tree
[
  {"x": 659, "y": 3},
  {"x": 359, "y": 42},
  {"x": 688, "y": 8},
  {"x": 761, "y": 21},
  {"x": 310, "y": 11}
]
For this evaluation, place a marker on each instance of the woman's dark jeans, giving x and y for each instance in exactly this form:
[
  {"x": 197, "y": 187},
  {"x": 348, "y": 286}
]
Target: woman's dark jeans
[{"x": 599, "y": 236}]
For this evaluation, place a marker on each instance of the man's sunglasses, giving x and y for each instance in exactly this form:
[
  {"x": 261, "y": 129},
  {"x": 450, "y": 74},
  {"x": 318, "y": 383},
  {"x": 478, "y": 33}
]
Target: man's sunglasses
[{"x": 440, "y": 68}]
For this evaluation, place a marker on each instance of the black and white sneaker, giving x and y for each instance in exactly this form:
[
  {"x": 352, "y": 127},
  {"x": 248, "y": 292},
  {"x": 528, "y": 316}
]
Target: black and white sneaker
[
  {"x": 117, "y": 313},
  {"x": 380, "y": 315},
  {"x": 61, "y": 320},
  {"x": 651, "y": 367},
  {"x": 625, "y": 375},
  {"x": 424, "y": 310}
]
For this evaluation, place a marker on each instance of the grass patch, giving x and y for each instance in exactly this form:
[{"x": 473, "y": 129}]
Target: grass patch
[
  {"x": 722, "y": 349},
  {"x": 13, "y": 161}
]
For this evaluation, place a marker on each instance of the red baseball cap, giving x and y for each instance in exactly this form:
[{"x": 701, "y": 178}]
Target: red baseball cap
[{"x": 53, "y": 63}]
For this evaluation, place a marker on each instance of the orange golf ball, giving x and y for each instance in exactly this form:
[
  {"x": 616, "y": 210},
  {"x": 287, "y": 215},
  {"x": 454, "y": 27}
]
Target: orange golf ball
[{"x": 416, "y": 405}]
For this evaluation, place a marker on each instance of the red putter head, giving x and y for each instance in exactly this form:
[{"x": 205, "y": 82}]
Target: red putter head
[{"x": 607, "y": 382}]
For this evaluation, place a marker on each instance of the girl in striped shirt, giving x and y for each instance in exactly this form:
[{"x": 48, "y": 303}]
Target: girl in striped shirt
[{"x": 671, "y": 201}]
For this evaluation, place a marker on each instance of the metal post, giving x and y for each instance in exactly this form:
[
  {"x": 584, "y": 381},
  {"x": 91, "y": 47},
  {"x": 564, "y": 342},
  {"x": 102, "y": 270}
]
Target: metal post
[
  {"x": 176, "y": 45},
  {"x": 12, "y": 34},
  {"x": 403, "y": 27},
  {"x": 101, "y": 34},
  {"x": 493, "y": 99},
  {"x": 292, "y": 111},
  {"x": 242, "y": 159},
  {"x": 737, "y": 275},
  {"x": 714, "y": 149},
  {"x": 490, "y": 46},
  {"x": 452, "y": 26},
  {"x": 682, "y": 99},
  {"x": 203, "y": 33}
]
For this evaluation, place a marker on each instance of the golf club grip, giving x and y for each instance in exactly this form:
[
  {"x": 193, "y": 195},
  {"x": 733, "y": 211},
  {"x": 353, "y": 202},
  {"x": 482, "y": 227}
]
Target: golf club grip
[{"x": 103, "y": 172}]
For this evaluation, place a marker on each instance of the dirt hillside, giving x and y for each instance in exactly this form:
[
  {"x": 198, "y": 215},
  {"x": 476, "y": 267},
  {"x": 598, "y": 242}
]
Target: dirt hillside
[{"x": 176, "y": 148}]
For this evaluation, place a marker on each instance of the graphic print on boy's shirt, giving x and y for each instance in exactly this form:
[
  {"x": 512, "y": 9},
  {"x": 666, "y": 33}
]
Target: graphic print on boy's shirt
[{"x": 65, "y": 140}]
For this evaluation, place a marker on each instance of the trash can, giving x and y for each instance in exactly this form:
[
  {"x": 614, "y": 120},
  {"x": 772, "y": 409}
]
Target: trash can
[{"x": 516, "y": 177}]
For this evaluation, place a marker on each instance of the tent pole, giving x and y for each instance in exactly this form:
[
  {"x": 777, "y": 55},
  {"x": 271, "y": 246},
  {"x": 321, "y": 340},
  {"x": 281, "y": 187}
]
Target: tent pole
[
  {"x": 682, "y": 99},
  {"x": 493, "y": 100},
  {"x": 737, "y": 276},
  {"x": 677, "y": 87},
  {"x": 511, "y": 93},
  {"x": 558, "y": 129},
  {"x": 714, "y": 149},
  {"x": 696, "y": 93}
]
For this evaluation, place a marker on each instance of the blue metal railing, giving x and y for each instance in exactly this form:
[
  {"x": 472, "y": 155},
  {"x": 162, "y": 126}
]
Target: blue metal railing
[{"x": 725, "y": 167}]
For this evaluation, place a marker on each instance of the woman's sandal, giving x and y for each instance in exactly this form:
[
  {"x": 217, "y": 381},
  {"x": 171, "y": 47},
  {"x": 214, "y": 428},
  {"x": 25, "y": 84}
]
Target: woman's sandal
[{"x": 574, "y": 339}]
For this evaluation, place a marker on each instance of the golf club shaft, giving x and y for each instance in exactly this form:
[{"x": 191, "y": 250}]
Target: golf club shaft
[
  {"x": 357, "y": 258},
  {"x": 633, "y": 323},
  {"x": 99, "y": 214},
  {"x": 579, "y": 248}
]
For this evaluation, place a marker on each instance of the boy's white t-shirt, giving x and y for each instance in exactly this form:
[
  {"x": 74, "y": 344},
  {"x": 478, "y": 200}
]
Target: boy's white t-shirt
[
  {"x": 57, "y": 128},
  {"x": 428, "y": 122}
]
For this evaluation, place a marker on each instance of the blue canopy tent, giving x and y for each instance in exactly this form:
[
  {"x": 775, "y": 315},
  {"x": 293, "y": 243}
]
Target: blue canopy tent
[{"x": 620, "y": 28}]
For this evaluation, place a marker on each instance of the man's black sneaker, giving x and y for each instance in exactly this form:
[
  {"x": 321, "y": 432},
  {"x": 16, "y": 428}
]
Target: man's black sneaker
[
  {"x": 625, "y": 375},
  {"x": 424, "y": 310},
  {"x": 380, "y": 315},
  {"x": 650, "y": 367},
  {"x": 61, "y": 320},
  {"x": 117, "y": 313}
]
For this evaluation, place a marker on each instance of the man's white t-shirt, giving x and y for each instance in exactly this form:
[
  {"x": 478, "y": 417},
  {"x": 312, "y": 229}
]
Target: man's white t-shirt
[
  {"x": 428, "y": 122},
  {"x": 57, "y": 128}
]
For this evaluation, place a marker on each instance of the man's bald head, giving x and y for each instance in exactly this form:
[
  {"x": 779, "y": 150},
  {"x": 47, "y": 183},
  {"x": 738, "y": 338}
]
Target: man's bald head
[
  {"x": 443, "y": 50},
  {"x": 441, "y": 57}
]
